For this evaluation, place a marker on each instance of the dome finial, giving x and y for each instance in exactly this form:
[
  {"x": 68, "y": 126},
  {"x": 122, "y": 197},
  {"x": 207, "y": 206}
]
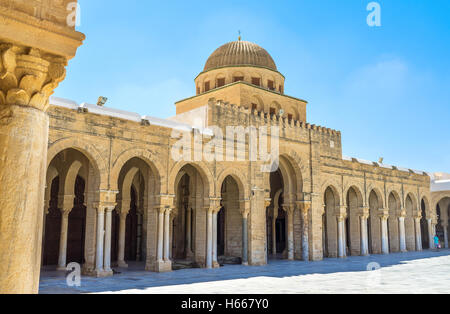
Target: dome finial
[{"x": 240, "y": 37}]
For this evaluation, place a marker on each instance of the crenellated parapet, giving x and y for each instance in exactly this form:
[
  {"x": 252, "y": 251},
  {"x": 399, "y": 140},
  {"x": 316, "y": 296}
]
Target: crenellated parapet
[{"x": 235, "y": 113}]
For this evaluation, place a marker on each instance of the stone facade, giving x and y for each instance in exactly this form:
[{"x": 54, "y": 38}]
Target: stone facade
[
  {"x": 112, "y": 193},
  {"x": 316, "y": 204}
]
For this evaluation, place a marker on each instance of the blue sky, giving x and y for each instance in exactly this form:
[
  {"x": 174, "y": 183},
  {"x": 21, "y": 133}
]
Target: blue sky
[{"x": 386, "y": 88}]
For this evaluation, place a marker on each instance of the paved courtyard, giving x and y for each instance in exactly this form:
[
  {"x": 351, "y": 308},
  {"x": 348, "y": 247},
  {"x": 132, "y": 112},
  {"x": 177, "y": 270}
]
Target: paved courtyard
[{"x": 415, "y": 272}]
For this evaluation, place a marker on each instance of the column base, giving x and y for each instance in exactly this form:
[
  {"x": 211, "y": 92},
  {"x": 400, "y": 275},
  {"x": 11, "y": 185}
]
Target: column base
[
  {"x": 98, "y": 273},
  {"x": 244, "y": 263},
  {"x": 122, "y": 264},
  {"x": 215, "y": 264},
  {"x": 403, "y": 251},
  {"x": 159, "y": 266}
]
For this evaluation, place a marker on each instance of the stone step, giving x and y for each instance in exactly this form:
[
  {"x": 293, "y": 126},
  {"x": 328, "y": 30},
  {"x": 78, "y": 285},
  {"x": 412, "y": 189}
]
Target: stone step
[
  {"x": 178, "y": 265},
  {"x": 229, "y": 260}
]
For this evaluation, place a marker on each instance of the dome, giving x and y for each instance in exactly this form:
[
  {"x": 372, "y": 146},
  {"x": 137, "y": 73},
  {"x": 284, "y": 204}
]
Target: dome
[{"x": 240, "y": 53}]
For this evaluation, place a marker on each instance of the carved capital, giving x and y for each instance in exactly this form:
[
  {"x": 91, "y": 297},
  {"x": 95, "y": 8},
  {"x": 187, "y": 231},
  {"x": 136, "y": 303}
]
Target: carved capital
[
  {"x": 364, "y": 212},
  {"x": 267, "y": 202},
  {"x": 383, "y": 213},
  {"x": 244, "y": 208},
  {"x": 28, "y": 77},
  {"x": 304, "y": 207}
]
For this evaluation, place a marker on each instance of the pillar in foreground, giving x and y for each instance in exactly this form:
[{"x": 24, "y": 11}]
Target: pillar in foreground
[
  {"x": 384, "y": 216},
  {"x": 364, "y": 232},
  {"x": 341, "y": 216},
  {"x": 419, "y": 234},
  {"x": 402, "y": 231},
  {"x": 36, "y": 43},
  {"x": 245, "y": 211},
  {"x": 305, "y": 207},
  {"x": 122, "y": 232}
]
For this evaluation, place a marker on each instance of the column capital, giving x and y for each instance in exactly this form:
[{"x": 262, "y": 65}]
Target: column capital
[
  {"x": 267, "y": 202},
  {"x": 35, "y": 74},
  {"x": 304, "y": 206},
  {"x": 288, "y": 208},
  {"x": 401, "y": 212},
  {"x": 364, "y": 211},
  {"x": 383, "y": 213},
  {"x": 244, "y": 208},
  {"x": 214, "y": 205},
  {"x": 342, "y": 212}
]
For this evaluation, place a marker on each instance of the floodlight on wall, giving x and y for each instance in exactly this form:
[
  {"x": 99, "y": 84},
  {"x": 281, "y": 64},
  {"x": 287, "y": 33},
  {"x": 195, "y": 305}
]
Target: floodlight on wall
[{"x": 101, "y": 101}]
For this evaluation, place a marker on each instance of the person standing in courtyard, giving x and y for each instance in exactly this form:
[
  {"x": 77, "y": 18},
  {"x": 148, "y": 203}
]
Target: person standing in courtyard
[{"x": 436, "y": 242}]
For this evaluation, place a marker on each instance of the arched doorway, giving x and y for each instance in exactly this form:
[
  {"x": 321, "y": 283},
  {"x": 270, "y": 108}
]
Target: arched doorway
[
  {"x": 189, "y": 247},
  {"x": 352, "y": 222},
  {"x": 77, "y": 225},
  {"x": 374, "y": 223},
  {"x": 276, "y": 223},
  {"x": 329, "y": 221},
  {"x": 424, "y": 226},
  {"x": 229, "y": 224},
  {"x": 283, "y": 215},
  {"x": 393, "y": 225},
  {"x": 129, "y": 225},
  {"x": 64, "y": 232},
  {"x": 410, "y": 224}
]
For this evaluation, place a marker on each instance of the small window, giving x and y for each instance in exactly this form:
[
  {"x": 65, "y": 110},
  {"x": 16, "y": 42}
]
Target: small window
[
  {"x": 256, "y": 81},
  {"x": 271, "y": 85},
  {"x": 272, "y": 111},
  {"x": 220, "y": 82},
  {"x": 207, "y": 86},
  {"x": 238, "y": 78}
]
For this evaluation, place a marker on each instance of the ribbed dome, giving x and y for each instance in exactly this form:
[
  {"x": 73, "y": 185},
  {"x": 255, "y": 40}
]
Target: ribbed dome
[{"x": 240, "y": 53}]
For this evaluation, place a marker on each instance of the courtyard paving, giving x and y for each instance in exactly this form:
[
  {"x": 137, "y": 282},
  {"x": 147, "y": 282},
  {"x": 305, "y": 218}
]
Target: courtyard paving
[{"x": 414, "y": 272}]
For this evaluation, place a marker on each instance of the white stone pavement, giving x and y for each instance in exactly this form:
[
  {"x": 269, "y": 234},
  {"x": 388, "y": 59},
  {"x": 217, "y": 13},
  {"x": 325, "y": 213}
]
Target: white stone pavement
[{"x": 414, "y": 272}]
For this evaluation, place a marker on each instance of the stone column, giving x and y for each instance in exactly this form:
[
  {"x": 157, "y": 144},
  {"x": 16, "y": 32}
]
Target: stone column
[
  {"x": 289, "y": 209},
  {"x": 99, "y": 270},
  {"x": 167, "y": 220},
  {"x": 364, "y": 235},
  {"x": 107, "y": 254},
  {"x": 189, "y": 253},
  {"x": 384, "y": 232},
  {"x": 341, "y": 216},
  {"x": 305, "y": 207},
  {"x": 418, "y": 234},
  {"x": 214, "y": 240},
  {"x": 209, "y": 237},
  {"x": 62, "y": 258},
  {"x": 122, "y": 232},
  {"x": 445, "y": 235},
  {"x": 431, "y": 233},
  {"x": 274, "y": 230},
  {"x": 160, "y": 246},
  {"x": 245, "y": 211},
  {"x": 33, "y": 54},
  {"x": 402, "y": 231}
]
